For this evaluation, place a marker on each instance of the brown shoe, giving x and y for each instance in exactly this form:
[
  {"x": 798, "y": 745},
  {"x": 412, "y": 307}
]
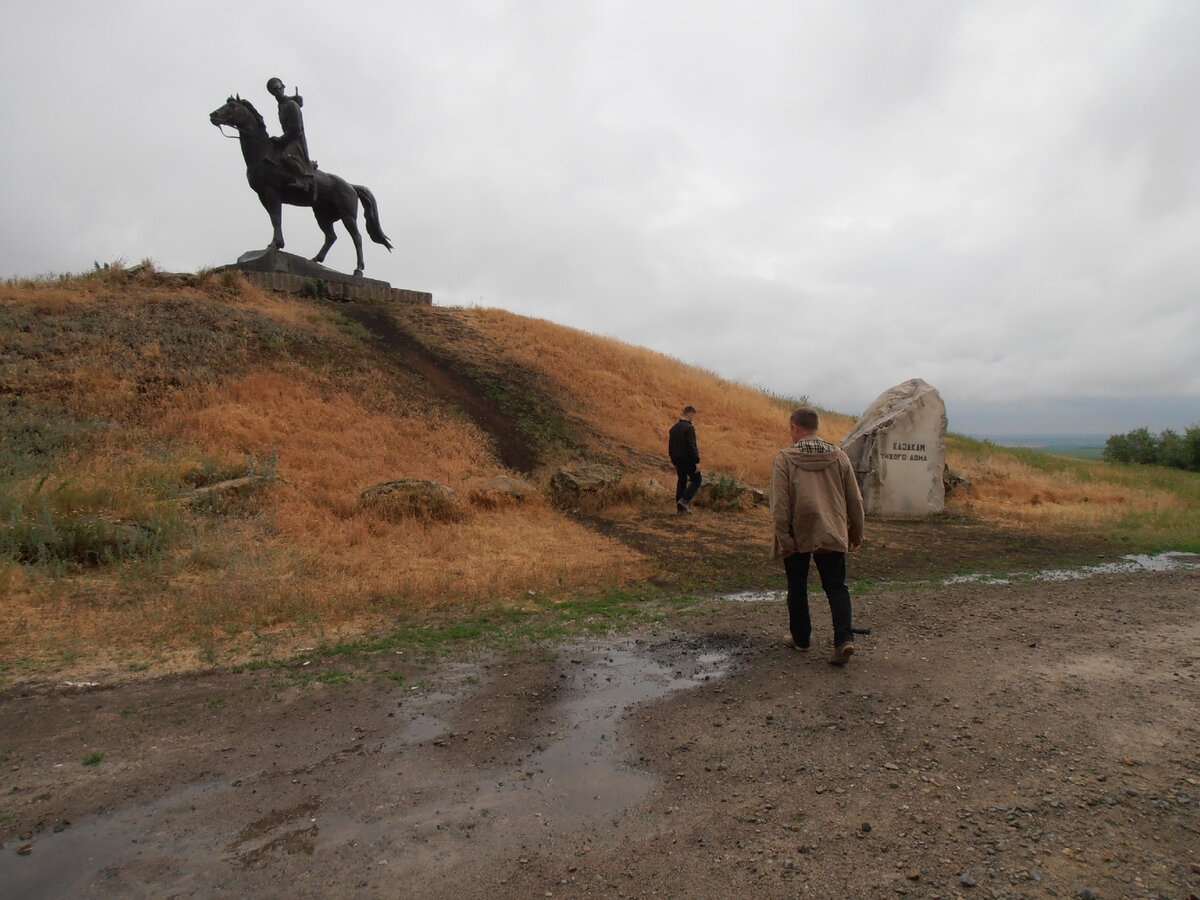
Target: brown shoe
[
  {"x": 791, "y": 642},
  {"x": 842, "y": 654}
]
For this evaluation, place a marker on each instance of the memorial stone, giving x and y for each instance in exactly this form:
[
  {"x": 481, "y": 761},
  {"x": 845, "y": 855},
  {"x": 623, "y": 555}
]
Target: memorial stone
[{"x": 898, "y": 450}]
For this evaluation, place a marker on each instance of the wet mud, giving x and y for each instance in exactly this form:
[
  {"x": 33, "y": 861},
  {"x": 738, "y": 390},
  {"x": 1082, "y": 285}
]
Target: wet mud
[
  {"x": 424, "y": 818},
  {"x": 1028, "y": 739}
]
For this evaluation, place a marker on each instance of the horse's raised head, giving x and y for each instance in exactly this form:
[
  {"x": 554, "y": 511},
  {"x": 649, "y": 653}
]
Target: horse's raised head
[
  {"x": 239, "y": 114},
  {"x": 225, "y": 115}
]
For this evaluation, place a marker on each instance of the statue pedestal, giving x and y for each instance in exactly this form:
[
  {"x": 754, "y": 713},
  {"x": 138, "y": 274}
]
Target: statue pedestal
[{"x": 287, "y": 273}]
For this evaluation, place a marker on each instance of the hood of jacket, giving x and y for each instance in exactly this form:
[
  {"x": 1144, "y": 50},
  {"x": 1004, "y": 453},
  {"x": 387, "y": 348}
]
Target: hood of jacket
[{"x": 810, "y": 460}]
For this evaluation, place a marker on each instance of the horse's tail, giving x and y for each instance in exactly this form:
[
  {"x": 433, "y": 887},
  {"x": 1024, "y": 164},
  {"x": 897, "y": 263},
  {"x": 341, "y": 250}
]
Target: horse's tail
[{"x": 371, "y": 214}]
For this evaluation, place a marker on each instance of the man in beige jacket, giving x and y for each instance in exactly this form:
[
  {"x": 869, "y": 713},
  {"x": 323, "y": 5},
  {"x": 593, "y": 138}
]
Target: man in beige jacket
[{"x": 817, "y": 511}]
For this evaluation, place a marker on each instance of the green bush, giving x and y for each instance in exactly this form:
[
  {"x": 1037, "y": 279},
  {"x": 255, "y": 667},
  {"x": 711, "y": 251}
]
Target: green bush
[
  {"x": 73, "y": 522},
  {"x": 722, "y": 490},
  {"x": 316, "y": 288},
  {"x": 1169, "y": 449},
  {"x": 89, "y": 540}
]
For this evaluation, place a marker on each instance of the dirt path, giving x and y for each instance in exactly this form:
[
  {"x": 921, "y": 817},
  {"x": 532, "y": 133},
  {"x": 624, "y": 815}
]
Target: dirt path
[
  {"x": 513, "y": 449},
  {"x": 1034, "y": 739}
]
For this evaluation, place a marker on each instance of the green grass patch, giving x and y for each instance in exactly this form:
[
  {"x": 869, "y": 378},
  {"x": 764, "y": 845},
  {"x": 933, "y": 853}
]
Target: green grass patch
[
  {"x": 546, "y": 619},
  {"x": 41, "y": 534},
  {"x": 32, "y": 437}
]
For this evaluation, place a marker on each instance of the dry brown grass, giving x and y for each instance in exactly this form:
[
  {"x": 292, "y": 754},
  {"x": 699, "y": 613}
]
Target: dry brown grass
[
  {"x": 115, "y": 289},
  {"x": 1008, "y": 491},
  {"x": 305, "y": 558},
  {"x": 326, "y": 440},
  {"x": 632, "y": 396},
  {"x": 146, "y": 382},
  {"x": 233, "y": 586},
  {"x": 330, "y": 449}
]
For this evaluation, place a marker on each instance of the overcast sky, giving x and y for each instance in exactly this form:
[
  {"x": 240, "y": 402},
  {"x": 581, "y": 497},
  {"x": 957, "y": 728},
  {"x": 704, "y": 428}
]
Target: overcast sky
[{"x": 817, "y": 198}]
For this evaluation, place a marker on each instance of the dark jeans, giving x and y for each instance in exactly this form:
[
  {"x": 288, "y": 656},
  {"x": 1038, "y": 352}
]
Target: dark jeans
[
  {"x": 688, "y": 483},
  {"x": 832, "y": 569}
]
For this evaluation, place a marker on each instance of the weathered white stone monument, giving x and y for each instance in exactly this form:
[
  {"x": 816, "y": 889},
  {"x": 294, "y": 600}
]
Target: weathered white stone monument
[{"x": 898, "y": 450}]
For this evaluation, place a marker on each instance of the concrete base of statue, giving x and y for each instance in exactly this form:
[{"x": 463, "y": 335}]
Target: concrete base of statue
[{"x": 287, "y": 273}]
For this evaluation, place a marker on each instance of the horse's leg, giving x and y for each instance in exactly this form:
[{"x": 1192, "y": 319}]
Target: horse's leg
[
  {"x": 325, "y": 220},
  {"x": 351, "y": 225},
  {"x": 274, "y": 207}
]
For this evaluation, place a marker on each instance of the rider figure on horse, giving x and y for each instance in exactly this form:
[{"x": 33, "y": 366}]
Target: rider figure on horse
[{"x": 292, "y": 144}]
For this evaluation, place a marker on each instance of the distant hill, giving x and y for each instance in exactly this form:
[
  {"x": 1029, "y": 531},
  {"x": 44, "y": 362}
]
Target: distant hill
[
  {"x": 1045, "y": 441},
  {"x": 1081, "y": 446}
]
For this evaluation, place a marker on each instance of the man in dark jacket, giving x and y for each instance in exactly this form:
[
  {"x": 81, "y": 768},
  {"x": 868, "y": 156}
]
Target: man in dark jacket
[{"x": 685, "y": 455}]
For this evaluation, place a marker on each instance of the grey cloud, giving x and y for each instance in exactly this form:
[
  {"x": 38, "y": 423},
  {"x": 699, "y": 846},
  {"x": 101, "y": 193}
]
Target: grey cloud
[{"x": 818, "y": 198}]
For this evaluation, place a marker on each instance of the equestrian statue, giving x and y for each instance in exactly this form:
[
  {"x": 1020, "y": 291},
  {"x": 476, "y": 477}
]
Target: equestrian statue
[{"x": 280, "y": 171}]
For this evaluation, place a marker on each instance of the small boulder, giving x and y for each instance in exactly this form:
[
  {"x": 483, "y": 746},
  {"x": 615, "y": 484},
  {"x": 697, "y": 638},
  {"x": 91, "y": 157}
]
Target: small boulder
[
  {"x": 232, "y": 488},
  {"x": 653, "y": 487},
  {"x": 502, "y": 490},
  {"x": 723, "y": 491},
  {"x": 412, "y": 498},
  {"x": 584, "y": 478},
  {"x": 952, "y": 481}
]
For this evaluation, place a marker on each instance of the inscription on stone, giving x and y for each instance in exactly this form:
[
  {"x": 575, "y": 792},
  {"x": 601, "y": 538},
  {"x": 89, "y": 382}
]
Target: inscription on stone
[{"x": 902, "y": 450}]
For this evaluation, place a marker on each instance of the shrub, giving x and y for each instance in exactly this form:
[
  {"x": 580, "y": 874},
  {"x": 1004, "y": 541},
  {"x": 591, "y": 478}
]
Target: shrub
[
  {"x": 721, "y": 490},
  {"x": 89, "y": 540},
  {"x": 315, "y": 288},
  {"x": 1138, "y": 446},
  {"x": 1168, "y": 449}
]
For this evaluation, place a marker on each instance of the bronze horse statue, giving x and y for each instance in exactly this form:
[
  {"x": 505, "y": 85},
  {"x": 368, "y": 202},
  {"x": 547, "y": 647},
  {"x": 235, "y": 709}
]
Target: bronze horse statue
[{"x": 334, "y": 197}]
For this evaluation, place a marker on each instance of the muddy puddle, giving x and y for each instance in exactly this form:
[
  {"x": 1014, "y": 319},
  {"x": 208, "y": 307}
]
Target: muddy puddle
[
  {"x": 400, "y": 801},
  {"x": 1126, "y": 565}
]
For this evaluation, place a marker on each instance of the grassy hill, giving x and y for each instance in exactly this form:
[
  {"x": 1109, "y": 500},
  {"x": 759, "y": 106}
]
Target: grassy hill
[{"x": 125, "y": 391}]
